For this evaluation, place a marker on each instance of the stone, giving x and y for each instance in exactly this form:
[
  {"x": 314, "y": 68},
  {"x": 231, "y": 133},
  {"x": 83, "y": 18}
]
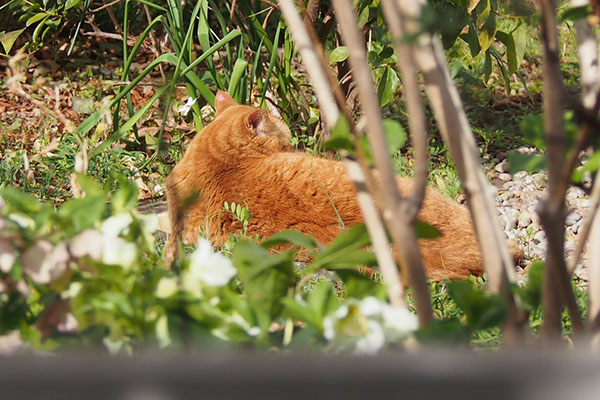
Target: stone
[
  {"x": 572, "y": 218},
  {"x": 505, "y": 177},
  {"x": 524, "y": 219},
  {"x": 502, "y": 166},
  {"x": 505, "y": 196},
  {"x": 539, "y": 237}
]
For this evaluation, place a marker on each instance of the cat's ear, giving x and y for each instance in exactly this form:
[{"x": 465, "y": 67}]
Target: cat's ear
[
  {"x": 223, "y": 101},
  {"x": 255, "y": 121}
]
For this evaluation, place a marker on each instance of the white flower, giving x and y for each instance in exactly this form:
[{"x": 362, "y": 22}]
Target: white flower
[
  {"x": 399, "y": 320},
  {"x": 116, "y": 224},
  {"x": 118, "y": 251},
  {"x": 106, "y": 247},
  {"x": 207, "y": 267},
  {"x": 367, "y": 325},
  {"x": 87, "y": 243},
  {"x": 373, "y": 341},
  {"x": 185, "y": 109},
  {"x": 7, "y": 255},
  {"x": 371, "y": 306},
  {"x": 166, "y": 287},
  {"x": 150, "y": 222},
  {"x": 44, "y": 262}
]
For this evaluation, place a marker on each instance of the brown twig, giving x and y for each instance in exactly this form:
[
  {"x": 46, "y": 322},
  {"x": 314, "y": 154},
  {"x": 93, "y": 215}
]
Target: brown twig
[
  {"x": 400, "y": 215},
  {"x": 106, "y": 5},
  {"x": 552, "y": 211},
  {"x": 457, "y": 135},
  {"x": 131, "y": 40},
  {"x": 587, "y": 50},
  {"x": 416, "y": 115},
  {"x": 330, "y": 111},
  {"x": 113, "y": 18}
]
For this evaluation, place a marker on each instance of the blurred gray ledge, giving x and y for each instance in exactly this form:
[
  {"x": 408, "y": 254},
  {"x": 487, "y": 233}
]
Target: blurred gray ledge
[{"x": 439, "y": 375}]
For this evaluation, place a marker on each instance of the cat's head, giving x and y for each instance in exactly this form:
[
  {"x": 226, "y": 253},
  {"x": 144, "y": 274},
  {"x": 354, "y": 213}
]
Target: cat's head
[{"x": 250, "y": 126}]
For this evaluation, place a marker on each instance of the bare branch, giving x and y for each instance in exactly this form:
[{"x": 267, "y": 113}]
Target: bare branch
[
  {"x": 331, "y": 113},
  {"x": 457, "y": 135},
  {"x": 587, "y": 50},
  {"x": 553, "y": 210},
  {"x": 398, "y": 214},
  {"x": 416, "y": 115}
]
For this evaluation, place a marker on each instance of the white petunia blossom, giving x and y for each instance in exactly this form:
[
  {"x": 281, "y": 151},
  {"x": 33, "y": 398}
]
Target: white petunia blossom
[
  {"x": 185, "y": 109},
  {"x": 115, "y": 225},
  {"x": 367, "y": 325},
  {"x": 207, "y": 267},
  {"x": 118, "y": 251}
]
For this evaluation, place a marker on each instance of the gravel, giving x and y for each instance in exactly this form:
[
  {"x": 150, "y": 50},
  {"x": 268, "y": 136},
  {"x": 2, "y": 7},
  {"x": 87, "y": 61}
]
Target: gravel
[{"x": 517, "y": 197}]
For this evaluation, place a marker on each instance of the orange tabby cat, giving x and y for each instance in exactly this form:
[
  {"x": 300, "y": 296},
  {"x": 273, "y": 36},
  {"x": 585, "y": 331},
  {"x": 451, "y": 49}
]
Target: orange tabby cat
[{"x": 244, "y": 156}]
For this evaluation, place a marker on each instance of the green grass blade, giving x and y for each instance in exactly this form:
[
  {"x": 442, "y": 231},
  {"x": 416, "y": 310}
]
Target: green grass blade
[
  {"x": 272, "y": 61},
  {"x": 236, "y": 76}
]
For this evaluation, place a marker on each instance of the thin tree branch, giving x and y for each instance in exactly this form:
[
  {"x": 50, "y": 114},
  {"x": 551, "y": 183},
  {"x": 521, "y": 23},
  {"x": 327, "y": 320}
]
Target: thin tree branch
[
  {"x": 398, "y": 213},
  {"x": 457, "y": 135},
  {"x": 330, "y": 111},
  {"x": 553, "y": 209},
  {"x": 587, "y": 50},
  {"x": 416, "y": 115}
]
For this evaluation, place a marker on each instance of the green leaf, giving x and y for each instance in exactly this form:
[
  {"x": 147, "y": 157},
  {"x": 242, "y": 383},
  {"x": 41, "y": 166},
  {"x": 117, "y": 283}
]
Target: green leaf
[
  {"x": 534, "y": 131},
  {"x": 345, "y": 251},
  {"x": 487, "y": 67},
  {"x": 8, "y": 39},
  {"x": 359, "y": 286},
  {"x": 531, "y": 292},
  {"x": 575, "y": 13},
  {"x": 388, "y": 84},
  {"x": 473, "y": 40},
  {"x": 592, "y": 165},
  {"x": 36, "y": 17},
  {"x": 526, "y": 162},
  {"x": 83, "y": 212},
  {"x": 338, "y": 54},
  {"x": 89, "y": 185},
  {"x": 386, "y": 52},
  {"x": 520, "y": 37},
  {"x": 266, "y": 278},
  {"x": 320, "y": 302},
  {"x": 340, "y": 136},
  {"x": 445, "y": 332},
  {"x": 482, "y": 310},
  {"x": 126, "y": 197},
  {"x": 363, "y": 16},
  {"x": 487, "y": 33},
  {"x": 20, "y": 201},
  {"x": 72, "y": 3},
  {"x": 426, "y": 231},
  {"x": 511, "y": 51},
  {"x": 395, "y": 135}
]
